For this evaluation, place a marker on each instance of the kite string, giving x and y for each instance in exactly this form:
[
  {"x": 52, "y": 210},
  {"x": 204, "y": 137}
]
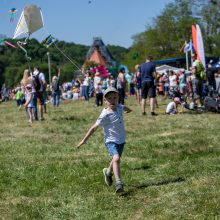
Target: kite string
[
  {"x": 67, "y": 57},
  {"x": 63, "y": 52}
]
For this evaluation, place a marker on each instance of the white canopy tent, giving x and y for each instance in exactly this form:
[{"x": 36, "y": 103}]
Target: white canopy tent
[{"x": 164, "y": 68}]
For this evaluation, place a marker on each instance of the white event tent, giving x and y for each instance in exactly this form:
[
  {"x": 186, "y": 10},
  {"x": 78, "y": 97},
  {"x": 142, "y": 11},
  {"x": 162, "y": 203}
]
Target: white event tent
[{"x": 164, "y": 68}]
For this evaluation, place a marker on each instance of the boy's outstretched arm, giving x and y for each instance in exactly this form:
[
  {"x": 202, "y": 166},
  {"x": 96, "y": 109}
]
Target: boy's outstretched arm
[
  {"x": 88, "y": 134},
  {"x": 126, "y": 109}
]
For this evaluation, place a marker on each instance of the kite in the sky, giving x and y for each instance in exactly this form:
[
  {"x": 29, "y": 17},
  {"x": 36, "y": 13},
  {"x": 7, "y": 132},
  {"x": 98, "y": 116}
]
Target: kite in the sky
[
  {"x": 13, "y": 12},
  {"x": 89, "y": 2},
  {"x": 31, "y": 20},
  {"x": 48, "y": 41}
]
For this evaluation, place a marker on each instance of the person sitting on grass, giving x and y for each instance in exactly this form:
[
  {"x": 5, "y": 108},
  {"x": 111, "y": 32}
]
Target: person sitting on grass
[
  {"x": 172, "y": 106},
  {"x": 111, "y": 119}
]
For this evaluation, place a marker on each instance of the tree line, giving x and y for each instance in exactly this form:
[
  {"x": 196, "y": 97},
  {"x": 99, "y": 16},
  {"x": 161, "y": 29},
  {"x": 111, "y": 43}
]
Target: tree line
[
  {"x": 166, "y": 33},
  {"x": 163, "y": 37},
  {"x": 13, "y": 60}
]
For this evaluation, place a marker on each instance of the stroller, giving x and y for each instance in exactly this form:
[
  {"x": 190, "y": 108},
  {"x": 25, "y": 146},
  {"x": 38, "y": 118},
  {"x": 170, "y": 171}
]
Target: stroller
[{"x": 212, "y": 104}]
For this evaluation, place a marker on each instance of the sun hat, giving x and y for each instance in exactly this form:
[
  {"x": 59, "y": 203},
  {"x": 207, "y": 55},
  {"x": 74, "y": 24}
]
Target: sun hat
[
  {"x": 110, "y": 89},
  {"x": 176, "y": 99}
]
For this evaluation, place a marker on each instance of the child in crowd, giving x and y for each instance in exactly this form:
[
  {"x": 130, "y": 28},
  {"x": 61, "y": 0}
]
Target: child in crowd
[
  {"x": 111, "y": 119},
  {"x": 29, "y": 105},
  {"x": 99, "y": 95},
  {"x": 76, "y": 92},
  {"x": 172, "y": 106},
  {"x": 19, "y": 98}
]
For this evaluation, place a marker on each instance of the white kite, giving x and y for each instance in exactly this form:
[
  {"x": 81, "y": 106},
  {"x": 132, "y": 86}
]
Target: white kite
[{"x": 31, "y": 20}]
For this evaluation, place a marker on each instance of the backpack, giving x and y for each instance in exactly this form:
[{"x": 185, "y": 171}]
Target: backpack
[
  {"x": 37, "y": 83},
  {"x": 200, "y": 70}
]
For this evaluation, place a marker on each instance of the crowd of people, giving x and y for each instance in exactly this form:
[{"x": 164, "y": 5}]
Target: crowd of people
[{"x": 144, "y": 83}]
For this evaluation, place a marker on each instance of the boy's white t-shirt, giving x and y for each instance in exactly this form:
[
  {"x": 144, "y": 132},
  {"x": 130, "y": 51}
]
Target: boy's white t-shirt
[
  {"x": 113, "y": 125},
  {"x": 170, "y": 107}
]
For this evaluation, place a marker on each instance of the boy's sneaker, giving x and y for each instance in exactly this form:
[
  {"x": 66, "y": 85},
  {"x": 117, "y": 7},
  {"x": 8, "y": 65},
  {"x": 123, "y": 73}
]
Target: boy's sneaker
[
  {"x": 119, "y": 187},
  {"x": 108, "y": 178}
]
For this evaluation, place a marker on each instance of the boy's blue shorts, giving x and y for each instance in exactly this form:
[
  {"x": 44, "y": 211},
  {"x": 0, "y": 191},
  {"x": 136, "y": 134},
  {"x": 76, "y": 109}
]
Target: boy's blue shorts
[{"x": 114, "y": 149}]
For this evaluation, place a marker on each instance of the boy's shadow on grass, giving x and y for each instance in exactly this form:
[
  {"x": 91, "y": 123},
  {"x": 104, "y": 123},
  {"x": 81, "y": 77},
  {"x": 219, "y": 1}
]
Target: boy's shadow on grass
[
  {"x": 143, "y": 167},
  {"x": 145, "y": 185}
]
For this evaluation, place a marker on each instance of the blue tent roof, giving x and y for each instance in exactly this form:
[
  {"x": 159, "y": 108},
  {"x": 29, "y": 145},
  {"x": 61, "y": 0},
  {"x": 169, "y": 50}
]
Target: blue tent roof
[
  {"x": 181, "y": 60},
  {"x": 171, "y": 60}
]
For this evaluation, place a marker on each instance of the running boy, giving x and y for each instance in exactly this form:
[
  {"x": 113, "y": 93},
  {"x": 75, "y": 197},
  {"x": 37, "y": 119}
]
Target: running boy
[{"x": 111, "y": 119}]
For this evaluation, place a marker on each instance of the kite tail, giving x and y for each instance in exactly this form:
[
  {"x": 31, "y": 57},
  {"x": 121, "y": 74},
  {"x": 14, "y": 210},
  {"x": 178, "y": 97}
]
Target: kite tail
[{"x": 20, "y": 44}]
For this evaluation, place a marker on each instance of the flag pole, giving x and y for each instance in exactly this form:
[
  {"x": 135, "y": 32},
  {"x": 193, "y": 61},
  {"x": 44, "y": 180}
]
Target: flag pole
[
  {"x": 49, "y": 67},
  {"x": 187, "y": 61},
  {"x": 191, "y": 51}
]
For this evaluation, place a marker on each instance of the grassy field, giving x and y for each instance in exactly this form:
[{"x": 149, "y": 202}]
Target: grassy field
[{"x": 170, "y": 166}]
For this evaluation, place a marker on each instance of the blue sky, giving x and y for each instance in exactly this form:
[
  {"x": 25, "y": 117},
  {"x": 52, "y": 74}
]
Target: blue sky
[{"x": 78, "y": 21}]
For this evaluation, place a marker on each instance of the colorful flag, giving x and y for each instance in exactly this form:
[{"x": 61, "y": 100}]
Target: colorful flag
[
  {"x": 48, "y": 41},
  {"x": 198, "y": 43},
  {"x": 188, "y": 47}
]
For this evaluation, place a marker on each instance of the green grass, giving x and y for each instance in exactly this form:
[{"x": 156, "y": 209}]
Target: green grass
[{"x": 170, "y": 166}]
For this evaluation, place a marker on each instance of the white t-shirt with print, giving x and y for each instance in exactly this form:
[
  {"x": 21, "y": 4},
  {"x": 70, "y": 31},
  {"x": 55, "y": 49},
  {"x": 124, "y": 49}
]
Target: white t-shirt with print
[{"x": 113, "y": 124}]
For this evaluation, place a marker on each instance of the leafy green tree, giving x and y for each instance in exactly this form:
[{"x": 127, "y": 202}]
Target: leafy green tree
[{"x": 117, "y": 52}]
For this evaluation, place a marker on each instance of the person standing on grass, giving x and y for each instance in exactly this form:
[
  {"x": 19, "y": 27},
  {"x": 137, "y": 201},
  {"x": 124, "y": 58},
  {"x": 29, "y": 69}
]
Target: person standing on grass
[
  {"x": 137, "y": 82},
  {"x": 99, "y": 95},
  {"x": 56, "y": 89},
  {"x": 29, "y": 102},
  {"x": 85, "y": 86},
  {"x": 18, "y": 98},
  {"x": 40, "y": 86},
  {"x": 121, "y": 85},
  {"x": 111, "y": 119},
  {"x": 148, "y": 87}
]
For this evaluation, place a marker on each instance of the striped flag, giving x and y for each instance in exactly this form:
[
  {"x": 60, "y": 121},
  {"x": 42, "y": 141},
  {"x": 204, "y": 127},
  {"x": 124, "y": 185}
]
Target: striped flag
[{"x": 198, "y": 43}]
